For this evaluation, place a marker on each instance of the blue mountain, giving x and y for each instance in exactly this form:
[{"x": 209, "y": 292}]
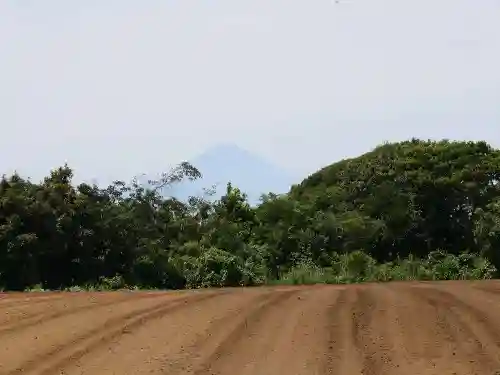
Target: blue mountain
[{"x": 225, "y": 163}]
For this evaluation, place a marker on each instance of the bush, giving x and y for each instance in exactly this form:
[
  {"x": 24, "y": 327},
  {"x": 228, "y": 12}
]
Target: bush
[
  {"x": 358, "y": 267},
  {"x": 306, "y": 274},
  {"x": 353, "y": 267}
]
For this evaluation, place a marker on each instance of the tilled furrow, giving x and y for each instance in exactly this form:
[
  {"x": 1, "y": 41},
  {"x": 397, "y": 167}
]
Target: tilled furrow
[{"x": 61, "y": 355}]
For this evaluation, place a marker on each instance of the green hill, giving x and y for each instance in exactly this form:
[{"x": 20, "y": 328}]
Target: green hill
[{"x": 425, "y": 195}]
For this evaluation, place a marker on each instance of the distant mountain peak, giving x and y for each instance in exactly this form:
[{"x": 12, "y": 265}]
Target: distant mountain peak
[
  {"x": 230, "y": 153},
  {"x": 228, "y": 147},
  {"x": 227, "y": 162}
]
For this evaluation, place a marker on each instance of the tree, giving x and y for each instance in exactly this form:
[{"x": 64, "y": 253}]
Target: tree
[
  {"x": 425, "y": 192},
  {"x": 431, "y": 203}
]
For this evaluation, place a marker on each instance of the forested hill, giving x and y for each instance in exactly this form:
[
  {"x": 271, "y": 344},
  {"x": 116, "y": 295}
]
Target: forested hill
[
  {"x": 409, "y": 210},
  {"x": 421, "y": 195}
]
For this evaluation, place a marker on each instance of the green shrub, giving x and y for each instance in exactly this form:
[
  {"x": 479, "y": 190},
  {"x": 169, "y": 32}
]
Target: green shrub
[
  {"x": 358, "y": 267},
  {"x": 304, "y": 274}
]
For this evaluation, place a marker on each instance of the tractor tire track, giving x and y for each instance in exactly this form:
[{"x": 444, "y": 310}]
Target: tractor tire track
[
  {"x": 341, "y": 353},
  {"x": 427, "y": 328},
  {"x": 492, "y": 289},
  {"x": 61, "y": 355},
  {"x": 239, "y": 328},
  {"x": 365, "y": 340},
  {"x": 279, "y": 337},
  {"x": 214, "y": 337},
  {"x": 466, "y": 329},
  {"x": 175, "y": 343},
  {"x": 17, "y": 300},
  {"x": 22, "y": 322}
]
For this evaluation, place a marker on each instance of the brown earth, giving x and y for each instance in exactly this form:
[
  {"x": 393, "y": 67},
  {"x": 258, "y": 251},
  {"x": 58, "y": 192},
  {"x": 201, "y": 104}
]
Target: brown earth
[{"x": 373, "y": 329}]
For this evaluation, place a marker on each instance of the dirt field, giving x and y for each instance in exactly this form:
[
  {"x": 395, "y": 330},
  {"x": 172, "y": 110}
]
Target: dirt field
[{"x": 387, "y": 329}]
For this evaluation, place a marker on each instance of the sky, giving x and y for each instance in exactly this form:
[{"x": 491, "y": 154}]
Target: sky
[{"x": 119, "y": 87}]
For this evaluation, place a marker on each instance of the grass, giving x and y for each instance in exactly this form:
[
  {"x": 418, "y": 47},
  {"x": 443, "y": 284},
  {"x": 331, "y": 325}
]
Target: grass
[{"x": 359, "y": 267}]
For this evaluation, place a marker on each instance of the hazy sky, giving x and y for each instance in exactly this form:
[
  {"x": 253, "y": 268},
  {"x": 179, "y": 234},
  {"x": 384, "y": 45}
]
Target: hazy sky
[{"x": 118, "y": 87}]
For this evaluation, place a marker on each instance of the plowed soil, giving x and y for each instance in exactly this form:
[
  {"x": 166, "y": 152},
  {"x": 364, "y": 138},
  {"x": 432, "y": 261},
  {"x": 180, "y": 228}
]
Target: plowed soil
[{"x": 372, "y": 329}]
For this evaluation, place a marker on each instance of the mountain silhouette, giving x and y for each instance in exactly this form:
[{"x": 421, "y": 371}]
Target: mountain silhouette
[{"x": 252, "y": 174}]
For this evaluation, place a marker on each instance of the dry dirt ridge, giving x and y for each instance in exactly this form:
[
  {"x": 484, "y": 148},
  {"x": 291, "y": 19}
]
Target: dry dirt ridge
[{"x": 375, "y": 329}]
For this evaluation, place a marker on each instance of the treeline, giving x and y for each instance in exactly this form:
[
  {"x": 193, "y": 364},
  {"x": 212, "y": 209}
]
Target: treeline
[{"x": 410, "y": 210}]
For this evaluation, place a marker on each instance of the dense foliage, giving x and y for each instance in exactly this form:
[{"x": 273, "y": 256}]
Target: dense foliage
[{"x": 409, "y": 210}]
